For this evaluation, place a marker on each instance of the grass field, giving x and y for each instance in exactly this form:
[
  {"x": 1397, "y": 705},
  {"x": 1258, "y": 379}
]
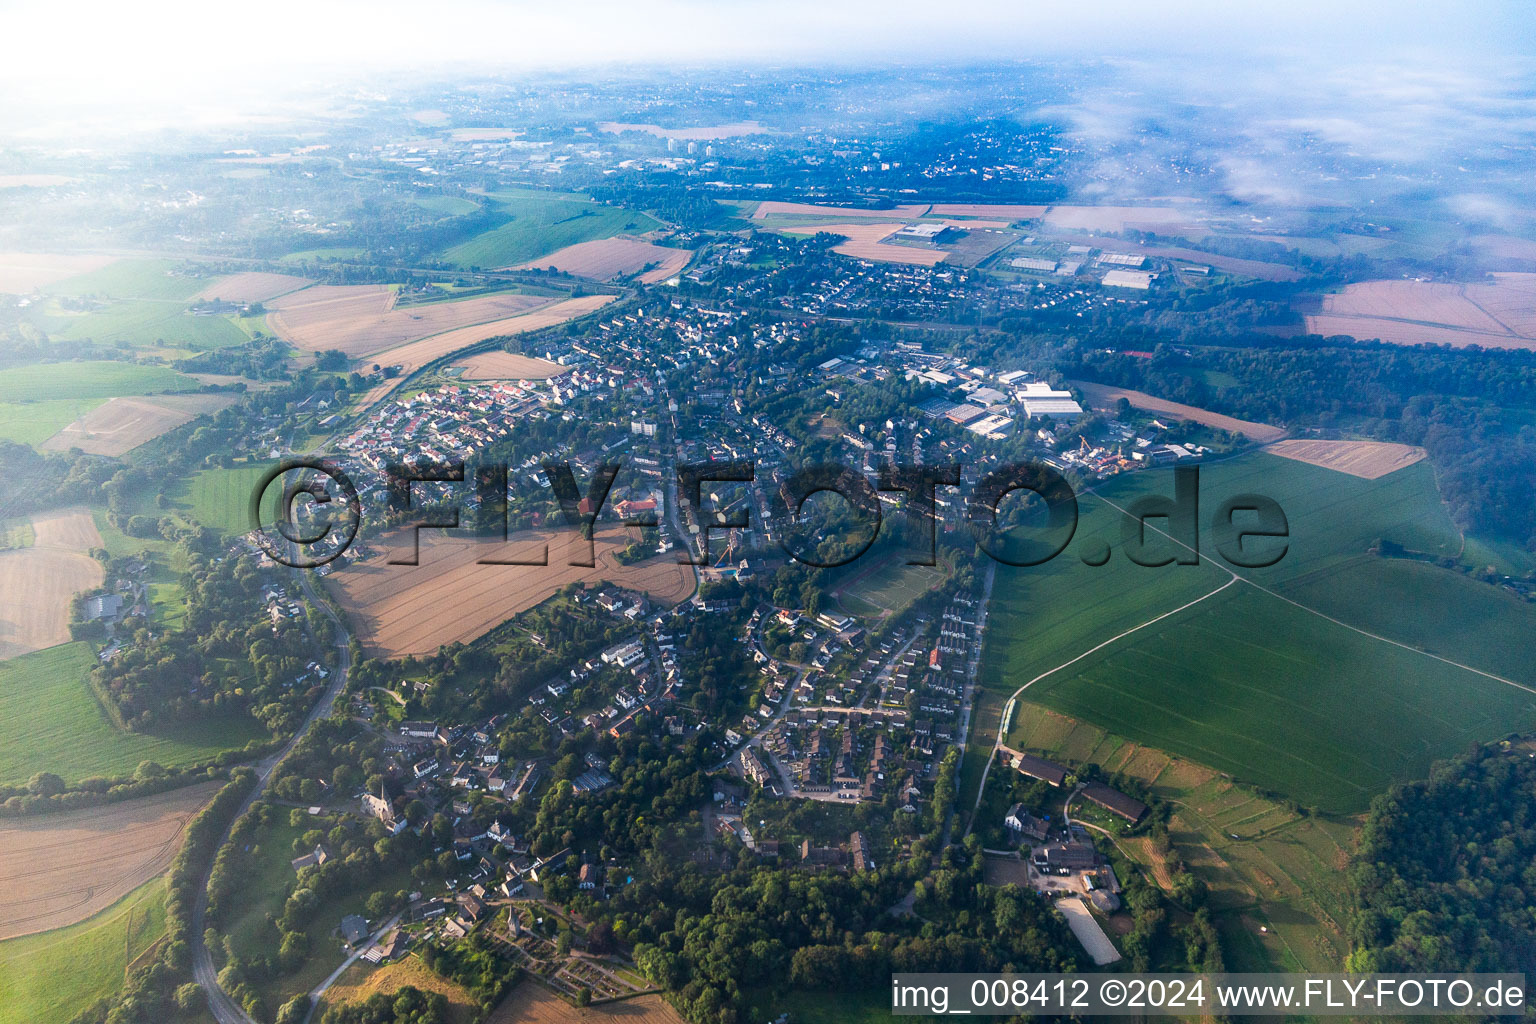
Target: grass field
[
  {"x": 50, "y": 721},
  {"x": 33, "y": 422},
  {"x": 542, "y": 223},
  {"x": 89, "y": 379},
  {"x": 1263, "y": 864},
  {"x": 48, "y": 978},
  {"x": 220, "y": 498},
  {"x": 133, "y": 279},
  {"x": 1248, "y": 684},
  {"x": 149, "y": 323}
]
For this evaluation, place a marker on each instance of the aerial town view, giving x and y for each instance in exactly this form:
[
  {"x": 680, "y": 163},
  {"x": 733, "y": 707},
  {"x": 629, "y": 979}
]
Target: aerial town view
[{"x": 735, "y": 514}]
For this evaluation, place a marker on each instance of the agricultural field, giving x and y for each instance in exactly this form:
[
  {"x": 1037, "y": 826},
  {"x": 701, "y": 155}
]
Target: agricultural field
[
  {"x": 996, "y": 211},
  {"x": 1102, "y": 396},
  {"x": 134, "y": 279},
  {"x": 607, "y": 258},
  {"x": 22, "y": 273},
  {"x": 89, "y": 379},
  {"x": 417, "y": 354},
  {"x": 1365, "y": 459},
  {"x": 57, "y": 869},
  {"x": 509, "y": 366},
  {"x": 365, "y": 320},
  {"x": 49, "y": 978},
  {"x": 413, "y": 609},
  {"x": 532, "y": 1003},
  {"x": 38, "y": 582},
  {"x": 122, "y": 424},
  {"x": 142, "y": 323},
  {"x": 362, "y": 981},
  {"x": 51, "y": 721},
  {"x": 1264, "y": 865},
  {"x": 252, "y": 287},
  {"x": 1501, "y": 314},
  {"x": 543, "y": 223},
  {"x": 1246, "y": 680},
  {"x": 33, "y": 422}
]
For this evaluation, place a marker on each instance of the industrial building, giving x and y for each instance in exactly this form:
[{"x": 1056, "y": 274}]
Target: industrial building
[
  {"x": 1034, "y": 263},
  {"x": 1128, "y": 279},
  {"x": 1040, "y": 399}
]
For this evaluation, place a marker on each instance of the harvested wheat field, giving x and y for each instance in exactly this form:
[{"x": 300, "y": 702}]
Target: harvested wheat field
[
  {"x": 38, "y": 583},
  {"x": 122, "y": 424},
  {"x": 1101, "y": 396},
  {"x": 252, "y": 287},
  {"x": 532, "y": 1003},
  {"x": 24, "y": 272},
  {"x": 1365, "y": 459},
  {"x": 56, "y": 869},
  {"x": 698, "y": 134},
  {"x": 417, "y": 354},
  {"x": 910, "y": 211},
  {"x": 606, "y": 258},
  {"x": 368, "y": 322},
  {"x": 1501, "y": 314},
  {"x": 1001, "y": 211},
  {"x": 510, "y": 366},
  {"x": 361, "y": 981},
  {"x": 413, "y": 609}
]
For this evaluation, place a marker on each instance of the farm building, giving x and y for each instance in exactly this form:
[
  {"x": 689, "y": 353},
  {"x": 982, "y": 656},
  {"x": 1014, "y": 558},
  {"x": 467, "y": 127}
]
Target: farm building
[
  {"x": 1021, "y": 822},
  {"x": 1128, "y": 279},
  {"x": 1040, "y": 768},
  {"x": 1114, "y": 801}
]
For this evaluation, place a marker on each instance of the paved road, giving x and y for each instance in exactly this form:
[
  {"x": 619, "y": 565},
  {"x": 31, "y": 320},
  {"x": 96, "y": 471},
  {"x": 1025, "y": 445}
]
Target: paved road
[{"x": 226, "y": 1010}]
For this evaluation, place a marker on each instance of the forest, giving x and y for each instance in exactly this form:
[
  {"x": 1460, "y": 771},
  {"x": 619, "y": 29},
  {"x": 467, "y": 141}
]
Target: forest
[{"x": 1445, "y": 878}]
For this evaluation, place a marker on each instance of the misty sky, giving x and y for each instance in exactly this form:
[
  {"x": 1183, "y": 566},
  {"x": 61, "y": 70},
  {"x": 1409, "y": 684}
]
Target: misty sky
[{"x": 100, "y": 51}]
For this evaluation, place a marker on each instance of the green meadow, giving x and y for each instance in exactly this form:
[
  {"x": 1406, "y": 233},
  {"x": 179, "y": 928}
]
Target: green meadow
[
  {"x": 133, "y": 279},
  {"x": 1279, "y": 697},
  {"x": 89, "y": 379},
  {"x": 144, "y": 323},
  {"x": 51, "y": 721},
  {"x": 540, "y": 223}
]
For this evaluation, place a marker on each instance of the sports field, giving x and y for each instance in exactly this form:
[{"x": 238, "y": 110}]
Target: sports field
[
  {"x": 48, "y": 978},
  {"x": 887, "y": 587},
  {"x": 540, "y": 224},
  {"x": 1290, "y": 701},
  {"x": 51, "y": 721}
]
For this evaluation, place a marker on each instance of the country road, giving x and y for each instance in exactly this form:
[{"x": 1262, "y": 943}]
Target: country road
[{"x": 225, "y": 1010}]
